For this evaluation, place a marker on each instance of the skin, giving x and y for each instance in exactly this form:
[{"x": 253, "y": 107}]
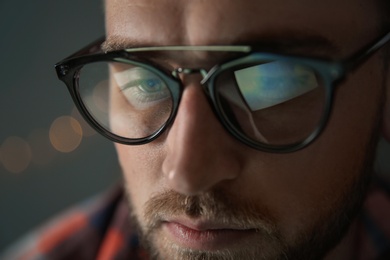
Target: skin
[{"x": 197, "y": 156}]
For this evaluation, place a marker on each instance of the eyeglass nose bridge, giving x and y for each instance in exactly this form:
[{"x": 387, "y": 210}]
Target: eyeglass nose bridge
[
  {"x": 178, "y": 71},
  {"x": 203, "y": 72},
  {"x": 205, "y": 78}
]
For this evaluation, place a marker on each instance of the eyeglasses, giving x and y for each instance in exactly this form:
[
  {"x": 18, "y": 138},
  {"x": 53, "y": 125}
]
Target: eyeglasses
[{"x": 271, "y": 102}]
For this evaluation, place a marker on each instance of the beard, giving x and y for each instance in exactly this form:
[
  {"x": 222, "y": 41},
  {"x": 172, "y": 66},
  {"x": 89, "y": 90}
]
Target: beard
[{"x": 269, "y": 242}]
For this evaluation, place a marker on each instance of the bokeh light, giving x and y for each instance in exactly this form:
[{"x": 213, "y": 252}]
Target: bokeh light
[
  {"x": 15, "y": 154},
  {"x": 65, "y": 134}
]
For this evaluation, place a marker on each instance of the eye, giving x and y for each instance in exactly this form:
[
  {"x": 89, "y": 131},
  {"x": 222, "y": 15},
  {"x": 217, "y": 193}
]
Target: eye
[
  {"x": 151, "y": 85},
  {"x": 272, "y": 83},
  {"x": 141, "y": 87}
]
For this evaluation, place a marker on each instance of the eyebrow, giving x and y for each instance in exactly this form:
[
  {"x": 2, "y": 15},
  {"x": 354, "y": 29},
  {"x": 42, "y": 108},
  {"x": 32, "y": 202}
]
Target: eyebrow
[
  {"x": 286, "y": 42},
  {"x": 312, "y": 44}
]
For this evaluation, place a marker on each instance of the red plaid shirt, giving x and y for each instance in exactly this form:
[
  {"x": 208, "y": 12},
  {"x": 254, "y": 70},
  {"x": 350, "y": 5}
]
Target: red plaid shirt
[{"x": 101, "y": 229}]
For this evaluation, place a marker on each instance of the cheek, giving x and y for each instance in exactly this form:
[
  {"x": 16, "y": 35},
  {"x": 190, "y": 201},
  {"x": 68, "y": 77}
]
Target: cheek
[
  {"x": 141, "y": 168},
  {"x": 301, "y": 189}
]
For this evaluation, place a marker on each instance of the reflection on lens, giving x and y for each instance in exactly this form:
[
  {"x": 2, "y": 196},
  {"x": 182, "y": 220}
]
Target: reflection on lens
[
  {"x": 275, "y": 102},
  {"x": 273, "y": 83},
  {"x": 15, "y": 154}
]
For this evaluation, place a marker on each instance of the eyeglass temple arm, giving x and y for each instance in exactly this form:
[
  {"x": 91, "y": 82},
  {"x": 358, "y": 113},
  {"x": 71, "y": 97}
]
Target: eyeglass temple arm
[{"x": 357, "y": 59}]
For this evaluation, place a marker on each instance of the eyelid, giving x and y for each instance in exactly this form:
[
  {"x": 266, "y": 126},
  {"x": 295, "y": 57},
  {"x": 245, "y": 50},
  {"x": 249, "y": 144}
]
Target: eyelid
[{"x": 131, "y": 75}]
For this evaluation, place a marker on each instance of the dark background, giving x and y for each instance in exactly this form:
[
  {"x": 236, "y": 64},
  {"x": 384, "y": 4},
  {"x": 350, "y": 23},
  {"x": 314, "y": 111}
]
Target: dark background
[{"x": 34, "y": 35}]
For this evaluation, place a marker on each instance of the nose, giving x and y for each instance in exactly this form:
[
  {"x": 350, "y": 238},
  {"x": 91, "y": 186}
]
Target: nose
[{"x": 200, "y": 153}]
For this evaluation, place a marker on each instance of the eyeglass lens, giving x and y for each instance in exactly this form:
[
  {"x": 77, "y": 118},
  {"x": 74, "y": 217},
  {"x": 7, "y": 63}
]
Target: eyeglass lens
[
  {"x": 273, "y": 102},
  {"x": 127, "y": 100}
]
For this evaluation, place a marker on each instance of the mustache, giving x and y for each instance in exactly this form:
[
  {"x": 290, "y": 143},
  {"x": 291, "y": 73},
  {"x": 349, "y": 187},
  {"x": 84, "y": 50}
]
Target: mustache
[{"x": 217, "y": 206}]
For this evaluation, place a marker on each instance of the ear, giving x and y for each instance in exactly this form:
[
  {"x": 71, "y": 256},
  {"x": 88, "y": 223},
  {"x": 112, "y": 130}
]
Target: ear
[{"x": 386, "y": 108}]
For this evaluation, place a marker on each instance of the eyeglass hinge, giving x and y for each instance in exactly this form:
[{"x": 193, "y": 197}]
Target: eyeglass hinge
[{"x": 64, "y": 69}]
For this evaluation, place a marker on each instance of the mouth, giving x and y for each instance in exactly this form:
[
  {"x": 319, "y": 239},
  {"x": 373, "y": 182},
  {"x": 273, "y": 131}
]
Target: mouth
[{"x": 205, "y": 235}]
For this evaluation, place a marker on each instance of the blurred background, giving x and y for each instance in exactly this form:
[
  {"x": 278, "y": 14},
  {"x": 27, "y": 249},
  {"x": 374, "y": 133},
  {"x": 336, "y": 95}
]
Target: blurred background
[{"x": 49, "y": 159}]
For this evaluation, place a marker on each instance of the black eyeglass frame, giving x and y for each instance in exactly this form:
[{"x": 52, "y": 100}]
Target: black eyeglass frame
[{"x": 332, "y": 72}]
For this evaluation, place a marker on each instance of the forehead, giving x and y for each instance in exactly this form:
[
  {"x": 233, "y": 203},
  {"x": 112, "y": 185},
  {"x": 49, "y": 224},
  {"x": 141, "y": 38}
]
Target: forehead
[{"x": 199, "y": 22}]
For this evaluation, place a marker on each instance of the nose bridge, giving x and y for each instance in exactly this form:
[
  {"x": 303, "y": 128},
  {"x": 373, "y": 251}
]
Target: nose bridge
[{"x": 200, "y": 154}]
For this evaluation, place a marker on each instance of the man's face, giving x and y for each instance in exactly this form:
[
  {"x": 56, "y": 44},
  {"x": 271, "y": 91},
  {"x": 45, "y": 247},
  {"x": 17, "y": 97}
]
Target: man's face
[{"x": 196, "y": 191}]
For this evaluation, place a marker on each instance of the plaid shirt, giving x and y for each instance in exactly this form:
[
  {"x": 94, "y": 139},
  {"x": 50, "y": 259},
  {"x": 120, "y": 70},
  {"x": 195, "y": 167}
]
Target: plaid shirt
[
  {"x": 100, "y": 229},
  {"x": 97, "y": 229}
]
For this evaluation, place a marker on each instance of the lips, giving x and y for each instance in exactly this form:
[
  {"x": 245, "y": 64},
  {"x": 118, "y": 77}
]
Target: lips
[{"x": 205, "y": 235}]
